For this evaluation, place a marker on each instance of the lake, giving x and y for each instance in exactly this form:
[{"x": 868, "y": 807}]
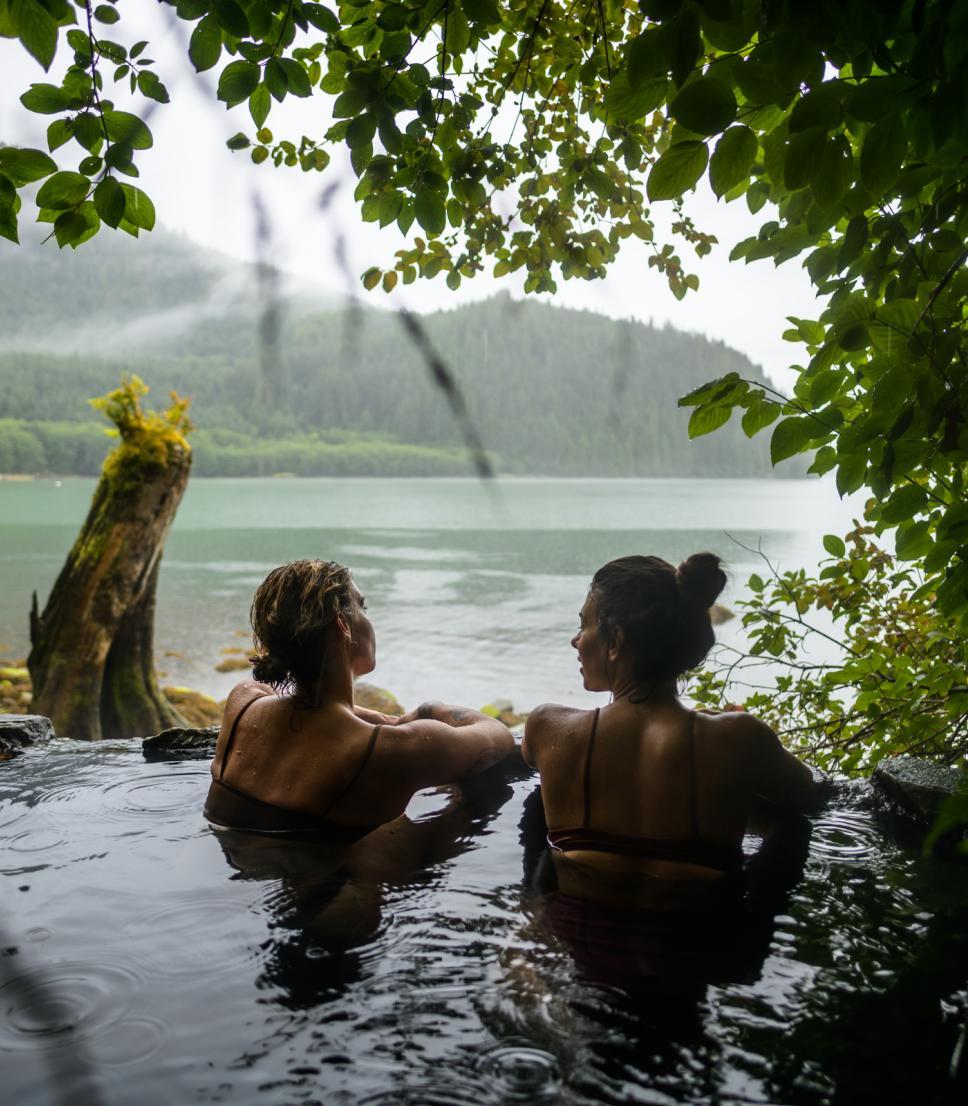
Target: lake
[
  {"x": 145, "y": 957},
  {"x": 474, "y": 589}
]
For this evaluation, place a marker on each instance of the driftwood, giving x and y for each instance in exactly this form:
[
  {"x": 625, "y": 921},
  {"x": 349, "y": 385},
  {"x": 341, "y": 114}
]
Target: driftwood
[{"x": 91, "y": 659}]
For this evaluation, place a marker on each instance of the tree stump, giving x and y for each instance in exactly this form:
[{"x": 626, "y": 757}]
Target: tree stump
[{"x": 91, "y": 660}]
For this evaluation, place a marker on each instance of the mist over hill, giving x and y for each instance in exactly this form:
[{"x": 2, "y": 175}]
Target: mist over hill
[{"x": 286, "y": 378}]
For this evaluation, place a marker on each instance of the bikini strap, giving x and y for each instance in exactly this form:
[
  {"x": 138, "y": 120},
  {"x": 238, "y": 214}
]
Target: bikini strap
[
  {"x": 693, "y": 806},
  {"x": 231, "y": 737},
  {"x": 356, "y": 775},
  {"x": 588, "y": 767}
]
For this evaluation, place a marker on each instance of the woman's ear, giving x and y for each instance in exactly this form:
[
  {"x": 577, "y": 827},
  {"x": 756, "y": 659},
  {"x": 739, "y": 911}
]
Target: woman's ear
[
  {"x": 615, "y": 643},
  {"x": 343, "y": 627}
]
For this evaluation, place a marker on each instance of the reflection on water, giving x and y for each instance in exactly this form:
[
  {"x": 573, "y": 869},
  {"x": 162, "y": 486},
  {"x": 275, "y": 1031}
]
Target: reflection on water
[
  {"x": 145, "y": 958},
  {"x": 474, "y": 597}
]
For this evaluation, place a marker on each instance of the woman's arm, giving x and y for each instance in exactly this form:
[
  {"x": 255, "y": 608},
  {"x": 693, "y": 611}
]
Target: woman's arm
[
  {"x": 780, "y": 777},
  {"x": 438, "y": 743}
]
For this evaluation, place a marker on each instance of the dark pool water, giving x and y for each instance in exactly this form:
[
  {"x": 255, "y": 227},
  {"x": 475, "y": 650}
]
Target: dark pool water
[{"x": 144, "y": 959}]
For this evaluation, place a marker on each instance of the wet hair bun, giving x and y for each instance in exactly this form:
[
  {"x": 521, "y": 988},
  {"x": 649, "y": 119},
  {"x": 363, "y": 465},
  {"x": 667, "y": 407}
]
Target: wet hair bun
[{"x": 701, "y": 578}]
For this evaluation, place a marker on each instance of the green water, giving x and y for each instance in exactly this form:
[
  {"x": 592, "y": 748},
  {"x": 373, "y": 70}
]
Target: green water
[{"x": 473, "y": 589}]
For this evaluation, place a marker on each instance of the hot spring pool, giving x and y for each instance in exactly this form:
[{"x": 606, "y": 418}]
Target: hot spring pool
[{"x": 144, "y": 959}]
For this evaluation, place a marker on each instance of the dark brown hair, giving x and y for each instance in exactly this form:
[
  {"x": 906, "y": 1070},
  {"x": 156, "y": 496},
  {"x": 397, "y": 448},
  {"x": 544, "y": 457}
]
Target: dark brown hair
[
  {"x": 290, "y": 612},
  {"x": 663, "y": 611}
]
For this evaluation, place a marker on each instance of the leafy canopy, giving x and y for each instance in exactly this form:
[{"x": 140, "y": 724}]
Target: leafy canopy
[{"x": 536, "y": 135}]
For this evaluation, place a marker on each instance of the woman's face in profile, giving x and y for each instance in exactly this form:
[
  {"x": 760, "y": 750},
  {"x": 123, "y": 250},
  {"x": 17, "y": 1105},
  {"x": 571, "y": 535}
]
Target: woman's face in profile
[
  {"x": 592, "y": 653},
  {"x": 363, "y": 637}
]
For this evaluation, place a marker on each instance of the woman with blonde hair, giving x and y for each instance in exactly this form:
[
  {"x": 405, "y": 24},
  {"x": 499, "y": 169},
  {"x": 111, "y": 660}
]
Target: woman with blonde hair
[{"x": 295, "y": 755}]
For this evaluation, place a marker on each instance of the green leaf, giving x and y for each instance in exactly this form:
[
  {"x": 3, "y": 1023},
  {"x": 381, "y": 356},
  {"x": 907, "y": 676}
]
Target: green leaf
[
  {"x": 802, "y": 160},
  {"x": 63, "y": 190},
  {"x": 138, "y": 208},
  {"x": 205, "y": 46},
  {"x": 238, "y": 81},
  {"x": 360, "y": 132},
  {"x": 645, "y": 57},
  {"x": 59, "y": 132},
  {"x": 821, "y": 107},
  {"x": 36, "y": 29},
  {"x": 705, "y": 392},
  {"x": 834, "y": 545},
  {"x": 622, "y": 101},
  {"x": 835, "y": 174},
  {"x": 69, "y": 227},
  {"x": 232, "y": 18},
  {"x": 791, "y": 436},
  {"x": 238, "y": 141},
  {"x": 45, "y": 99},
  {"x": 905, "y": 503},
  {"x": 481, "y": 11},
  {"x": 913, "y": 540},
  {"x": 259, "y": 104},
  {"x": 24, "y": 166},
  {"x": 105, "y": 13},
  {"x": 428, "y": 206},
  {"x": 882, "y": 155},
  {"x": 109, "y": 201},
  {"x": 297, "y": 78},
  {"x": 127, "y": 129},
  {"x": 150, "y": 86},
  {"x": 8, "y": 223},
  {"x": 276, "y": 80},
  {"x": 321, "y": 18},
  {"x": 704, "y": 420},
  {"x": 732, "y": 159},
  {"x": 677, "y": 170},
  {"x": 371, "y": 278},
  {"x": 706, "y": 106},
  {"x": 760, "y": 416}
]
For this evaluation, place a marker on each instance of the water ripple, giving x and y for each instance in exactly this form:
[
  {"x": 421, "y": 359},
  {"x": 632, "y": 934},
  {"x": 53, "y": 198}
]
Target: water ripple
[
  {"x": 841, "y": 835},
  {"x": 72, "y": 1001},
  {"x": 521, "y": 1073}
]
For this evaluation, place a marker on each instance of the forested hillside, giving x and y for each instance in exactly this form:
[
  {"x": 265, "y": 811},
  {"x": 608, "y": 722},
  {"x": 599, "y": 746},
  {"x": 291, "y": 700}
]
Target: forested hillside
[{"x": 340, "y": 390}]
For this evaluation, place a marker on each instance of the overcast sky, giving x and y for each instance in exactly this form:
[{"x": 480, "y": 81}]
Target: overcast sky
[{"x": 200, "y": 187}]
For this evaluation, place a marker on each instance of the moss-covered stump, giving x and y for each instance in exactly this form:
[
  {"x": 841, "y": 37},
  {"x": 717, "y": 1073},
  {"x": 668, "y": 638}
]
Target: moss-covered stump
[{"x": 91, "y": 661}]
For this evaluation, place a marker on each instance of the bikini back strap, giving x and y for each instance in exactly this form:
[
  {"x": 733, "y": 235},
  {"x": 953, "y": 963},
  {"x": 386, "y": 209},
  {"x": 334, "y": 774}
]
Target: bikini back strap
[
  {"x": 588, "y": 767},
  {"x": 693, "y": 805},
  {"x": 356, "y": 775},
  {"x": 232, "y": 731}
]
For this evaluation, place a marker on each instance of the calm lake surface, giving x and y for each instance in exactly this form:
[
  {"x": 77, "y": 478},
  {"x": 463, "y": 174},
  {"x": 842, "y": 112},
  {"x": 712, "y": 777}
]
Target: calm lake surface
[
  {"x": 145, "y": 958},
  {"x": 474, "y": 589}
]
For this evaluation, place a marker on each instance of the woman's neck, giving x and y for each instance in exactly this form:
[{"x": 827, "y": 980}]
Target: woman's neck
[{"x": 654, "y": 692}]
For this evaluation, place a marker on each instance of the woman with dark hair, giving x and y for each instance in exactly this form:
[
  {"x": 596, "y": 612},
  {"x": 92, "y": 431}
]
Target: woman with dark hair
[
  {"x": 646, "y": 801},
  {"x": 294, "y": 753}
]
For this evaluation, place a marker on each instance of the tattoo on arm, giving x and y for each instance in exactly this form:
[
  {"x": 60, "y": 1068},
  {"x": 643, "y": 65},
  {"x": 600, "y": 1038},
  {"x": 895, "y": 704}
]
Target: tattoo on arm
[
  {"x": 458, "y": 714},
  {"x": 426, "y": 710}
]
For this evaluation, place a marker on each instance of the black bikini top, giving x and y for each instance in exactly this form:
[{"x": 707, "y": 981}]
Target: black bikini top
[
  {"x": 231, "y": 808},
  {"x": 693, "y": 849}
]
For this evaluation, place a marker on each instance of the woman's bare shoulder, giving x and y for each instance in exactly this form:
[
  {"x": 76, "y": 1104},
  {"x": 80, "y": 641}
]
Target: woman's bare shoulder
[
  {"x": 243, "y": 694},
  {"x": 549, "y": 724},
  {"x": 736, "y": 725}
]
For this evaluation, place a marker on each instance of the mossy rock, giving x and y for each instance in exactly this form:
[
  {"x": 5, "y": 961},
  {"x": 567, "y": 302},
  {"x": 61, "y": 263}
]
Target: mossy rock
[
  {"x": 378, "y": 699},
  {"x": 197, "y": 709},
  {"x": 503, "y": 710}
]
